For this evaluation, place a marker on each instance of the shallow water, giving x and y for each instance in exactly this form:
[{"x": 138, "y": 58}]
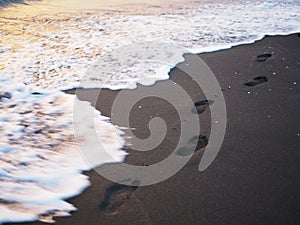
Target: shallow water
[
  {"x": 41, "y": 162},
  {"x": 54, "y": 45},
  {"x": 59, "y": 48}
]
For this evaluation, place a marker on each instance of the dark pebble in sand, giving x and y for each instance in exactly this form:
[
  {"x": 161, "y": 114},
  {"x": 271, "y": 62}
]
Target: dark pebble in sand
[
  {"x": 115, "y": 198},
  {"x": 263, "y": 57},
  {"x": 256, "y": 81}
]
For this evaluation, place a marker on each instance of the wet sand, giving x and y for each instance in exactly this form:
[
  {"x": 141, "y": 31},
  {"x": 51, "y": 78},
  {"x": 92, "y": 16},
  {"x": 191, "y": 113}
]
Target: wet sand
[{"x": 255, "y": 178}]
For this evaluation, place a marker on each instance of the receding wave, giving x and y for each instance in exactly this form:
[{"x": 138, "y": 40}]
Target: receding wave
[
  {"x": 41, "y": 163},
  {"x": 56, "y": 51}
]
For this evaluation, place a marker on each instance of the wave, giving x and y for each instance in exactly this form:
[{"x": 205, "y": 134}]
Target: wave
[
  {"x": 65, "y": 47},
  {"x": 10, "y": 2},
  {"x": 41, "y": 161}
]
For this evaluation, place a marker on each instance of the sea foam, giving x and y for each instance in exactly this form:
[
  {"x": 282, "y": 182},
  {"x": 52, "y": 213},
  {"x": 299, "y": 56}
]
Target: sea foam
[
  {"x": 57, "y": 52},
  {"x": 41, "y": 163}
]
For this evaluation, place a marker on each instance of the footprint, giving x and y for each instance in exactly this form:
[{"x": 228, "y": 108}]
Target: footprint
[
  {"x": 263, "y": 57},
  {"x": 201, "y": 106},
  {"x": 256, "y": 81},
  {"x": 200, "y": 141},
  {"x": 116, "y": 197}
]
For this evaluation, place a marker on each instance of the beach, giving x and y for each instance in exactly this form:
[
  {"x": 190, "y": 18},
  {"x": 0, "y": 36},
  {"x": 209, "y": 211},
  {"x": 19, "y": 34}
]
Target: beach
[
  {"x": 255, "y": 177},
  {"x": 161, "y": 112}
]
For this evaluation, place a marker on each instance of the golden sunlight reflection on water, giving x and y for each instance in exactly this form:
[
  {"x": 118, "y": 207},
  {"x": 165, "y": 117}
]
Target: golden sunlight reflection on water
[{"x": 36, "y": 8}]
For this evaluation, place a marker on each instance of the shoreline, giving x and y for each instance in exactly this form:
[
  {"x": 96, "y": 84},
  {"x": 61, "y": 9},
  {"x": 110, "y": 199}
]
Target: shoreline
[{"x": 255, "y": 176}]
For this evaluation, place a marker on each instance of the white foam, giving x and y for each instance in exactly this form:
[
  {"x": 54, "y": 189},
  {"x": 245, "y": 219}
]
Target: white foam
[
  {"x": 41, "y": 163},
  {"x": 59, "y": 58}
]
